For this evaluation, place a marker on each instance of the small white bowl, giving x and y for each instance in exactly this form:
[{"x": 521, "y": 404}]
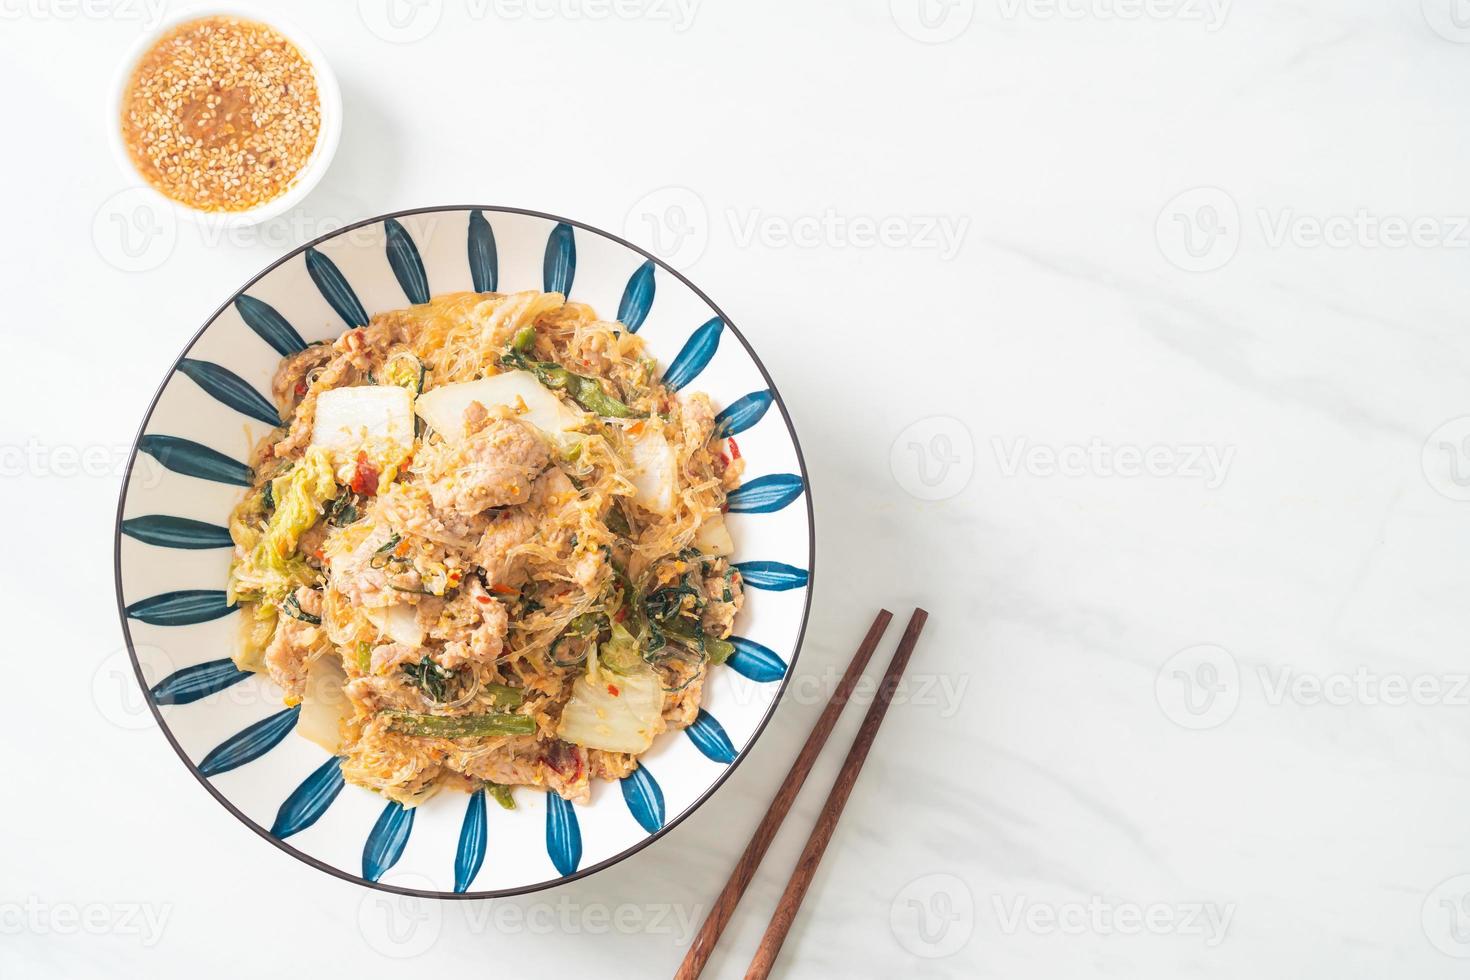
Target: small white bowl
[{"x": 328, "y": 94}]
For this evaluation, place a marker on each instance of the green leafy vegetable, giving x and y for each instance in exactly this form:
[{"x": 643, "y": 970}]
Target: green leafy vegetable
[
  {"x": 505, "y": 696},
  {"x": 384, "y": 554},
  {"x": 406, "y": 371},
  {"x": 291, "y": 607},
  {"x": 342, "y": 509},
  {"x": 585, "y": 391},
  {"x": 460, "y": 726},
  {"x": 501, "y": 794},
  {"x": 617, "y": 522},
  {"x": 430, "y": 678},
  {"x": 271, "y": 567},
  {"x": 621, "y": 653}
]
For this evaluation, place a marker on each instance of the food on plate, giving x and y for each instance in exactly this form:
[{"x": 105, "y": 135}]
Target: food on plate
[
  {"x": 221, "y": 114},
  {"x": 486, "y": 547}
]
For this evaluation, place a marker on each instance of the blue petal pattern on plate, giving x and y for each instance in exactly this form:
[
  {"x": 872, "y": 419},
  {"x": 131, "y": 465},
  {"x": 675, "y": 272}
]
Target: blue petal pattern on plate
[
  {"x": 334, "y": 288},
  {"x": 167, "y": 531},
  {"x": 484, "y": 262},
  {"x": 709, "y": 737},
  {"x": 755, "y": 661},
  {"x": 386, "y": 842},
  {"x": 199, "y": 681},
  {"x": 560, "y": 265},
  {"x": 765, "y": 494},
  {"x": 645, "y": 798},
  {"x": 742, "y": 413},
  {"x": 231, "y": 389},
  {"x": 192, "y": 459},
  {"x": 695, "y": 356},
  {"x": 310, "y": 800},
  {"x": 773, "y": 576},
  {"x": 272, "y": 328},
  {"x": 403, "y": 258},
  {"x": 250, "y": 744},
  {"x": 472, "y": 836},
  {"x": 182, "y": 608},
  {"x": 637, "y": 297},
  {"x": 563, "y": 835}
]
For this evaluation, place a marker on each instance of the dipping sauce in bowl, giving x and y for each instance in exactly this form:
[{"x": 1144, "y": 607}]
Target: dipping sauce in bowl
[{"x": 222, "y": 114}]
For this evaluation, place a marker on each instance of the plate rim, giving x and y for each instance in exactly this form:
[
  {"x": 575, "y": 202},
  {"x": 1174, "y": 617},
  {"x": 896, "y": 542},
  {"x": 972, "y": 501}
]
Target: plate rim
[{"x": 580, "y": 873}]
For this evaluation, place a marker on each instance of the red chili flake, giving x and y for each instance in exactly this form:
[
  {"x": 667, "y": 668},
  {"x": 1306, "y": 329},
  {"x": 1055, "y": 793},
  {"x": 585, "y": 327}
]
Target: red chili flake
[
  {"x": 734, "y": 450},
  {"x": 483, "y": 598},
  {"x": 612, "y": 689},
  {"x": 500, "y": 588},
  {"x": 365, "y": 479},
  {"x": 622, "y": 615},
  {"x": 301, "y": 387}
]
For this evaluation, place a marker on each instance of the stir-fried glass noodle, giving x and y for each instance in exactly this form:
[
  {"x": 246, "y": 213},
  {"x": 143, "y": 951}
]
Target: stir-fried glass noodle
[{"x": 486, "y": 548}]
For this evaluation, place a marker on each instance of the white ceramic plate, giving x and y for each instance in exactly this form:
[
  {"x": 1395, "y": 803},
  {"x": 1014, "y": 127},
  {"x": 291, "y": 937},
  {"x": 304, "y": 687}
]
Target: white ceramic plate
[{"x": 186, "y": 473}]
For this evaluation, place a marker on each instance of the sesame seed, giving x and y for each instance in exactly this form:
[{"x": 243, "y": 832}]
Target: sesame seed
[{"x": 212, "y": 98}]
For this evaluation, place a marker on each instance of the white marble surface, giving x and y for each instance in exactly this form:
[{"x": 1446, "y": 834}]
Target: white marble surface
[{"x": 1116, "y": 762}]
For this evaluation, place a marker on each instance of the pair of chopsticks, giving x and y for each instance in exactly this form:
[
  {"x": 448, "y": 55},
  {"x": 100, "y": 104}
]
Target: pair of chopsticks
[{"x": 811, "y": 855}]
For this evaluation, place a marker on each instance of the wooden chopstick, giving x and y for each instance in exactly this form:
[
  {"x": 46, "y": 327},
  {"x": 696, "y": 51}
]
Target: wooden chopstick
[
  {"x": 811, "y": 855},
  {"x": 724, "y": 906}
]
